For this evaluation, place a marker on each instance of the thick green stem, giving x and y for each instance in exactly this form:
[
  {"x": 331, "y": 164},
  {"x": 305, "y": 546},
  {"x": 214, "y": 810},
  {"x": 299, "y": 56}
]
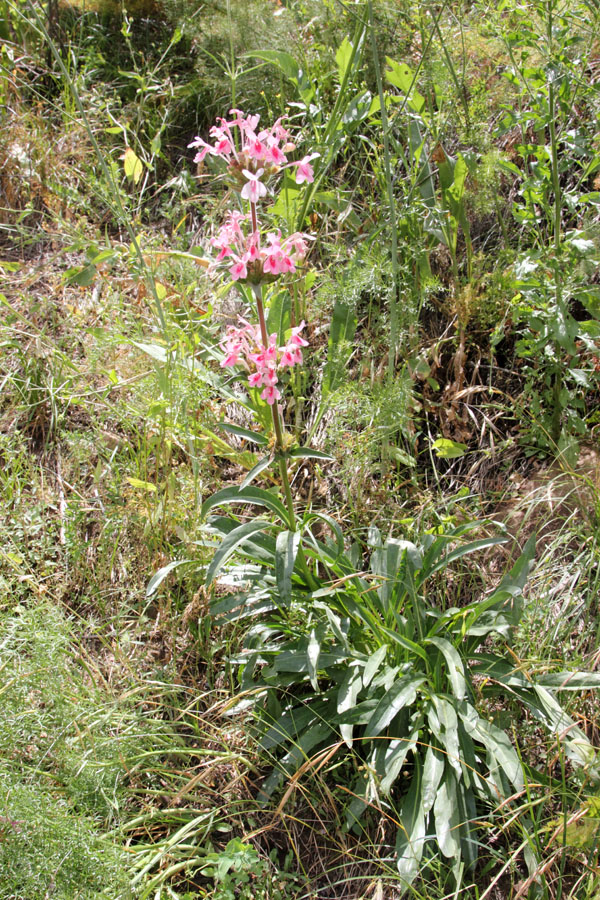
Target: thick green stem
[{"x": 277, "y": 423}]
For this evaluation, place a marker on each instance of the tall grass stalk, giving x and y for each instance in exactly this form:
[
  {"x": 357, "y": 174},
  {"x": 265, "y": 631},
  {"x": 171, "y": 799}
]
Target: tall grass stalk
[
  {"x": 391, "y": 201},
  {"x": 39, "y": 26}
]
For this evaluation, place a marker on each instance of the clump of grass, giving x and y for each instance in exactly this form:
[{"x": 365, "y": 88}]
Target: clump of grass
[
  {"x": 47, "y": 849},
  {"x": 67, "y": 752}
]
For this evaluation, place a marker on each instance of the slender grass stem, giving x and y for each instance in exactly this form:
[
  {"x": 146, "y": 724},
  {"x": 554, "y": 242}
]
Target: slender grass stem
[
  {"x": 38, "y": 24},
  {"x": 390, "y": 199}
]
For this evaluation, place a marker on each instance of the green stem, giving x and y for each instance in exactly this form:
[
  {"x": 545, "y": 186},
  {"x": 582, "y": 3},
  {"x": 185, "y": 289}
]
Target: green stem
[{"x": 277, "y": 423}]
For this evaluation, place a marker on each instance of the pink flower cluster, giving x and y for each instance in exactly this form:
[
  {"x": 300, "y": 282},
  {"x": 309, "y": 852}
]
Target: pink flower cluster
[
  {"x": 261, "y": 153},
  {"x": 253, "y": 260},
  {"x": 244, "y": 346}
]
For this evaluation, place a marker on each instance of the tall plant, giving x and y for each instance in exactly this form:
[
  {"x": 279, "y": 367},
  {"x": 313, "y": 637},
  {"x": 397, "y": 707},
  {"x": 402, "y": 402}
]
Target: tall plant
[{"x": 360, "y": 667}]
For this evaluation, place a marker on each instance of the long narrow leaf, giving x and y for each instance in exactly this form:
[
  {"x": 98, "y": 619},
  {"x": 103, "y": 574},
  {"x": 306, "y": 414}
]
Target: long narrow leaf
[
  {"x": 252, "y": 495},
  {"x": 403, "y": 693},
  {"x": 286, "y": 550},
  {"x": 230, "y": 545},
  {"x": 411, "y": 834},
  {"x": 260, "y": 466}
]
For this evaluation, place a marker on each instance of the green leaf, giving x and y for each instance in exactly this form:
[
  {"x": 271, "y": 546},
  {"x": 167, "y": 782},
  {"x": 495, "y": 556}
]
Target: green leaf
[
  {"x": 577, "y": 746},
  {"x": 401, "y": 76},
  {"x": 154, "y": 351},
  {"x": 410, "y": 839},
  {"x": 517, "y": 577},
  {"x": 142, "y": 485},
  {"x": 286, "y": 550},
  {"x": 252, "y": 436},
  {"x": 279, "y": 315},
  {"x": 158, "y": 577},
  {"x": 308, "y": 453},
  {"x": 292, "y": 722},
  {"x": 337, "y": 531},
  {"x": 402, "y": 693},
  {"x": 133, "y": 166},
  {"x": 290, "y": 68},
  {"x": 464, "y": 550},
  {"x": 405, "y": 642},
  {"x": 457, "y": 188},
  {"x": 570, "y": 681},
  {"x": 230, "y": 544},
  {"x": 446, "y": 817},
  {"x": 343, "y": 58},
  {"x": 402, "y": 457},
  {"x": 373, "y": 664},
  {"x": 260, "y": 466},
  {"x": 339, "y": 349},
  {"x": 313, "y": 652},
  {"x": 306, "y": 741},
  {"x": 390, "y": 760},
  {"x": 252, "y": 495},
  {"x": 447, "y": 449},
  {"x": 454, "y": 665},
  {"x": 444, "y": 724},
  {"x": 348, "y": 691},
  {"x": 501, "y": 753},
  {"x": 84, "y": 276},
  {"x": 433, "y": 769}
]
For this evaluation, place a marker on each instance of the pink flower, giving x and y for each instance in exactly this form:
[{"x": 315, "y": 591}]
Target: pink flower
[
  {"x": 270, "y": 394},
  {"x": 287, "y": 356},
  {"x": 276, "y": 156},
  {"x": 239, "y": 269},
  {"x": 304, "y": 170},
  {"x": 295, "y": 339},
  {"x": 269, "y": 376},
  {"x": 254, "y": 189}
]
